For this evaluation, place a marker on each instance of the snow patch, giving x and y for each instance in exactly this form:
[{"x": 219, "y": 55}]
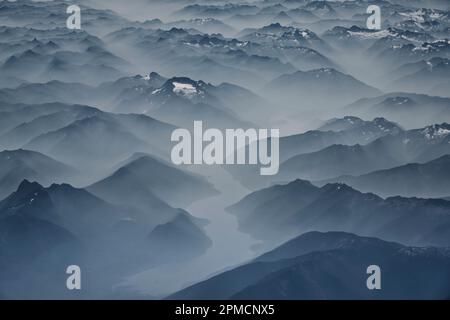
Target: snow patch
[
  {"x": 417, "y": 16},
  {"x": 372, "y": 35},
  {"x": 435, "y": 132},
  {"x": 442, "y": 132},
  {"x": 184, "y": 89}
]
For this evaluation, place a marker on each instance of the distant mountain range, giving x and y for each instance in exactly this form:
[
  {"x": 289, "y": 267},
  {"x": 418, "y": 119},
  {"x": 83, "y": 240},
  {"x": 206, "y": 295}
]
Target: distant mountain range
[
  {"x": 178, "y": 100},
  {"x": 53, "y": 91},
  {"x": 63, "y": 131},
  {"x": 285, "y": 37},
  {"x": 69, "y": 144},
  {"x": 205, "y": 25},
  {"x": 39, "y": 56},
  {"x": 146, "y": 176},
  {"x": 335, "y": 133},
  {"x": 182, "y": 101},
  {"x": 212, "y": 58},
  {"x": 397, "y": 146},
  {"x": 276, "y": 213},
  {"x": 308, "y": 87},
  {"x": 429, "y": 77},
  {"x": 419, "y": 145},
  {"x": 428, "y": 180},
  {"x": 345, "y": 131},
  {"x": 408, "y": 109}
]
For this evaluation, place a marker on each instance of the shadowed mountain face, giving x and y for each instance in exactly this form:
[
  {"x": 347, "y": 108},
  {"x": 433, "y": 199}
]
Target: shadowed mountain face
[
  {"x": 15, "y": 166},
  {"x": 87, "y": 116},
  {"x": 147, "y": 175},
  {"x": 282, "y": 211},
  {"x": 331, "y": 266},
  {"x": 39, "y": 224}
]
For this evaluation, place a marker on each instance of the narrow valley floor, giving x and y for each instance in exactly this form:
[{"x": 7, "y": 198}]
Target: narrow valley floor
[{"x": 230, "y": 246}]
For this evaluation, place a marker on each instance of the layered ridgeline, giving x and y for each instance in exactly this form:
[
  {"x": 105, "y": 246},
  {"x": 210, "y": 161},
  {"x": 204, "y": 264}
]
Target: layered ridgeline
[
  {"x": 142, "y": 176},
  {"x": 213, "y": 58},
  {"x": 58, "y": 54},
  {"x": 332, "y": 266},
  {"x": 408, "y": 109},
  {"x": 177, "y": 100},
  {"x": 385, "y": 148},
  {"x": 418, "y": 145},
  {"x": 47, "y": 229},
  {"x": 425, "y": 180},
  {"x": 301, "y": 47},
  {"x": 73, "y": 133},
  {"x": 307, "y": 88},
  {"x": 426, "y": 76},
  {"x": 181, "y": 101},
  {"x": 74, "y": 112},
  {"x": 338, "y": 131},
  {"x": 283, "y": 211},
  {"x": 17, "y": 165}
]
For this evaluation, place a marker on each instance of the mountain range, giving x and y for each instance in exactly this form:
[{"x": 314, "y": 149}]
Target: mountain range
[
  {"x": 330, "y": 266},
  {"x": 308, "y": 87},
  {"x": 87, "y": 178},
  {"x": 419, "y": 145},
  {"x": 18, "y": 165},
  {"x": 427, "y": 180},
  {"x": 282, "y": 211},
  {"x": 146, "y": 177},
  {"x": 337, "y": 133},
  {"x": 38, "y": 224}
]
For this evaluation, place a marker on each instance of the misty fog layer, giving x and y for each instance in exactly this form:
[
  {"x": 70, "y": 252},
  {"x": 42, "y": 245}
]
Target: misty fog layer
[{"x": 89, "y": 118}]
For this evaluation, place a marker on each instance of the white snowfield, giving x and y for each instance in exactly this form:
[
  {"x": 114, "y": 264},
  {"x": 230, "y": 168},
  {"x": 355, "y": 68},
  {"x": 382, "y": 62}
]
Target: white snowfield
[
  {"x": 185, "y": 89},
  {"x": 436, "y": 132}
]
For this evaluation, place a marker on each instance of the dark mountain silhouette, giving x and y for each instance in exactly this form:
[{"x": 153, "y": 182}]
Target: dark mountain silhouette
[
  {"x": 49, "y": 229},
  {"x": 17, "y": 165},
  {"x": 331, "y": 266},
  {"x": 178, "y": 239}
]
